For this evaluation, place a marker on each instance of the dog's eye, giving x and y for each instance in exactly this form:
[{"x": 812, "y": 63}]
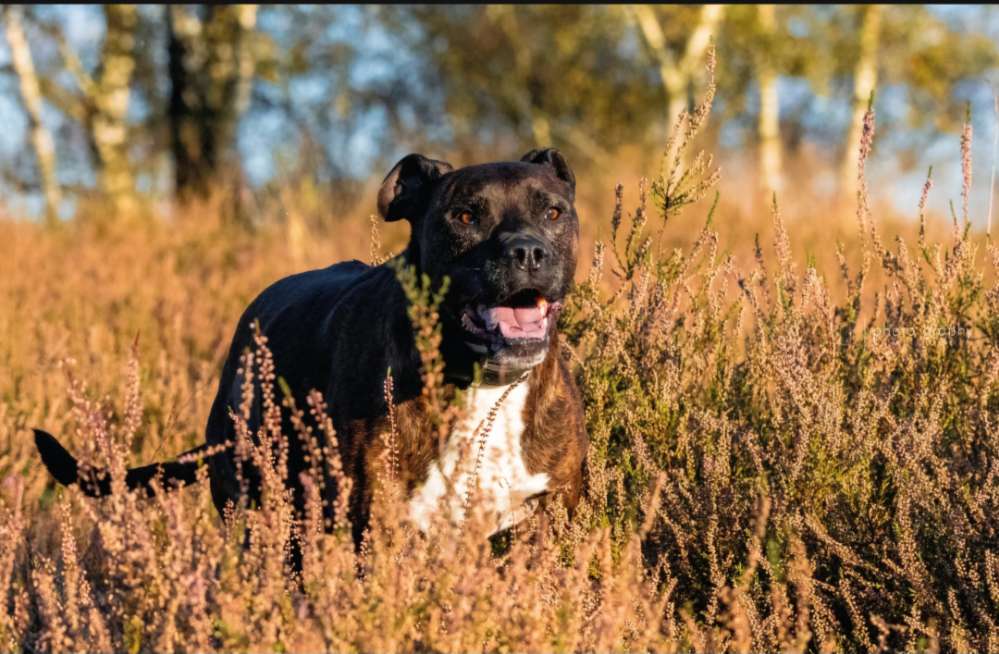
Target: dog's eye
[
  {"x": 466, "y": 217},
  {"x": 553, "y": 213}
]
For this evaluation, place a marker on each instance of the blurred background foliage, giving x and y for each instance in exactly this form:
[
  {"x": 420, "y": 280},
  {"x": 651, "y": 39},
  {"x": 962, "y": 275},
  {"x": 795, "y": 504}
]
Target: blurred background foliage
[{"x": 138, "y": 109}]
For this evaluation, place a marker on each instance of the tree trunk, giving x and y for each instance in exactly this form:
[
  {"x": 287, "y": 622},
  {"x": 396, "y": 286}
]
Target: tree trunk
[
  {"x": 41, "y": 139},
  {"x": 109, "y": 107},
  {"x": 211, "y": 69},
  {"x": 677, "y": 76},
  {"x": 770, "y": 173},
  {"x": 865, "y": 77}
]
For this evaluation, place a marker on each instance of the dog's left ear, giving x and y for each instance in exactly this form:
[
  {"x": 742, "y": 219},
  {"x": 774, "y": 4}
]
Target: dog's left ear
[
  {"x": 554, "y": 159},
  {"x": 403, "y": 193}
]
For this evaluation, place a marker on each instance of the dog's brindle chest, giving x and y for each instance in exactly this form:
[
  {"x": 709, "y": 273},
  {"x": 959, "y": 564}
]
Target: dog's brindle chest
[
  {"x": 483, "y": 459},
  {"x": 532, "y": 451}
]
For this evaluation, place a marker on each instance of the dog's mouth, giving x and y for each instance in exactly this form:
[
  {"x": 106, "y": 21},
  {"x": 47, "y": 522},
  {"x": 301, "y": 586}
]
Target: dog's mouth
[{"x": 523, "y": 319}]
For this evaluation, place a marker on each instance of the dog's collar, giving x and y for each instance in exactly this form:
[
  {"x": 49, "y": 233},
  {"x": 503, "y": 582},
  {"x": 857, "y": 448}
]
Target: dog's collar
[{"x": 495, "y": 373}]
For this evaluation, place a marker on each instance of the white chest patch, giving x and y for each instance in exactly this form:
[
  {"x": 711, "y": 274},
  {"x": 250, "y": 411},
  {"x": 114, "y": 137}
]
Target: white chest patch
[{"x": 501, "y": 475}]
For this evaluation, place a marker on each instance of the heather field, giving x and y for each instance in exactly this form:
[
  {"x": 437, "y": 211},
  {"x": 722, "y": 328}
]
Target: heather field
[{"x": 794, "y": 443}]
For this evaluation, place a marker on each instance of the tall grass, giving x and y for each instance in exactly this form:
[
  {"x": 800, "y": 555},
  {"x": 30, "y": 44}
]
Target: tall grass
[{"x": 775, "y": 464}]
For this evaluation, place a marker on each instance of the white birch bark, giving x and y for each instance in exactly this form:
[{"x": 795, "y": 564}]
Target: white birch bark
[
  {"x": 41, "y": 139},
  {"x": 770, "y": 166}
]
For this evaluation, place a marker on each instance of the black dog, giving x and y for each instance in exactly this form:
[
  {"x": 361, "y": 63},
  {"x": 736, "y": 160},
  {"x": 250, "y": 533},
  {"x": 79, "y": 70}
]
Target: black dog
[{"x": 506, "y": 235}]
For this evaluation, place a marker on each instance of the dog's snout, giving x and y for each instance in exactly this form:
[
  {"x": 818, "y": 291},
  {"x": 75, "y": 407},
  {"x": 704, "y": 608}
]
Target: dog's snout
[{"x": 526, "y": 253}]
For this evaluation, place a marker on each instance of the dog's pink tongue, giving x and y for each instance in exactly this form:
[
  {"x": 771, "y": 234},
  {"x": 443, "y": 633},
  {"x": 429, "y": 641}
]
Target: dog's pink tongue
[
  {"x": 522, "y": 322},
  {"x": 528, "y": 316}
]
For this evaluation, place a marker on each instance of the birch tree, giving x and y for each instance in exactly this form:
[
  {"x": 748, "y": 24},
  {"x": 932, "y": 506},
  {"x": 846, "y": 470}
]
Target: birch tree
[
  {"x": 31, "y": 96},
  {"x": 101, "y": 100},
  {"x": 677, "y": 74},
  {"x": 108, "y": 96},
  {"x": 768, "y": 121},
  {"x": 865, "y": 78}
]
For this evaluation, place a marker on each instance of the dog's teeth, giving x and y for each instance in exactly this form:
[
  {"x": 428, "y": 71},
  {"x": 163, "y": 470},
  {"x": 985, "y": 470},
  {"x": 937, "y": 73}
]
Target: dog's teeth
[
  {"x": 542, "y": 305},
  {"x": 467, "y": 323},
  {"x": 487, "y": 317}
]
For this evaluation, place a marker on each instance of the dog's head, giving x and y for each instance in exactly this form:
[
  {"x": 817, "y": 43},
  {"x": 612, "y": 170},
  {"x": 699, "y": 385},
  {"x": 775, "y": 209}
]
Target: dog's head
[{"x": 506, "y": 235}]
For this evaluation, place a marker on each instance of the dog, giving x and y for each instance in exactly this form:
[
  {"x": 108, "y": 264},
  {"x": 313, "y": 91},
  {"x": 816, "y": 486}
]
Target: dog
[{"x": 505, "y": 235}]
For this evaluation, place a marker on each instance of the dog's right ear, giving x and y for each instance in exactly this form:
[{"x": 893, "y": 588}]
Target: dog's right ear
[{"x": 404, "y": 192}]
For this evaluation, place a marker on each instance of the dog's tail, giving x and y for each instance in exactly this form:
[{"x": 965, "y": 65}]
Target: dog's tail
[{"x": 96, "y": 482}]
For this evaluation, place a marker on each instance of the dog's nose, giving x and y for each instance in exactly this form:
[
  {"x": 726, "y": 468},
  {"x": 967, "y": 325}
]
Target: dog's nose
[{"x": 526, "y": 253}]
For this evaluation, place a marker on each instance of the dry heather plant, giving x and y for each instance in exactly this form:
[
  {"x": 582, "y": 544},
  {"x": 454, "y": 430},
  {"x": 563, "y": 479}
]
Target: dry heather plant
[{"x": 770, "y": 469}]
